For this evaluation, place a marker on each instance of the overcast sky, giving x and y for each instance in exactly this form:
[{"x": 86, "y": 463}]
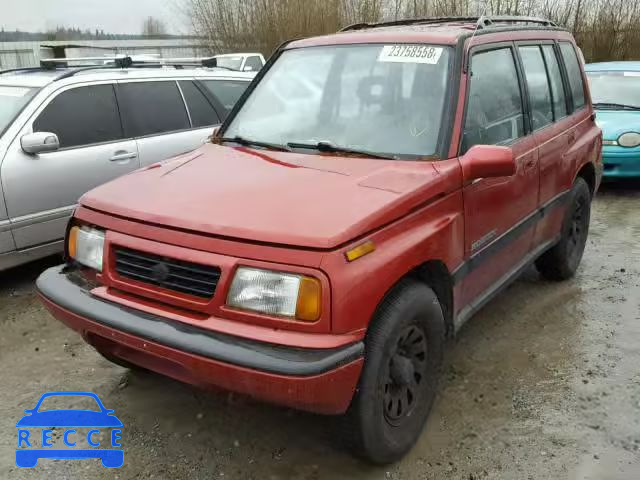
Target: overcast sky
[{"x": 113, "y": 16}]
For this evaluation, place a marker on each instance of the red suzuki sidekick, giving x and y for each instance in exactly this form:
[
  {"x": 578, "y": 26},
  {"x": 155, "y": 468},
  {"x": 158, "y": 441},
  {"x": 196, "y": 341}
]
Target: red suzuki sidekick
[{"x": 371, "y": 191}]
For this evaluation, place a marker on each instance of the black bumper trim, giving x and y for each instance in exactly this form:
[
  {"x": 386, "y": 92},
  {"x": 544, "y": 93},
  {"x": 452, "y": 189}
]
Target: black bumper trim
[{"x": 55, "y": 285}]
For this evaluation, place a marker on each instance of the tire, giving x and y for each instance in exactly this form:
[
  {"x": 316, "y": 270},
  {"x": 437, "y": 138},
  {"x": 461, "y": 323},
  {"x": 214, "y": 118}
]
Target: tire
[
  {"x": 403, "y": 353},
  {"x": 562, "y": 261}
]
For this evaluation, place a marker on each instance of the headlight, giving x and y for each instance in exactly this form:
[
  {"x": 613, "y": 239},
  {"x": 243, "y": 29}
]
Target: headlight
[
  {"x": 631, "y": 139},
  {"x": 276, "y": 293},
  {"x": 86, "y": 246}
]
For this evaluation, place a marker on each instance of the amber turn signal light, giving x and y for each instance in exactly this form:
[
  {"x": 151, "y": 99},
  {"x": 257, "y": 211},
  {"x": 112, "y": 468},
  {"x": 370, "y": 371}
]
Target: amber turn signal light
[
  {"x": 360, "y": 251},
  {"x": 72, "y": 242},
  {"x": 309, "y": 300}
]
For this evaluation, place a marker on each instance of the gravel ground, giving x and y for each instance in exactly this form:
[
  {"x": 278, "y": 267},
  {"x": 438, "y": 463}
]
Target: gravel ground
[{"x": 544, "y": 383}]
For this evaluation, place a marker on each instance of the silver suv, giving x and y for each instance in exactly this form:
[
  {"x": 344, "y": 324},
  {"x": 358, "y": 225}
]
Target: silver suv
[{"x": 63, "y": 131}]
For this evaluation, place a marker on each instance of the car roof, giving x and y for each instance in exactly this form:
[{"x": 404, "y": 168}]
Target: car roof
[
  {"x": 613, "y": 67},
  {"x": 446, "y": 31},
  {"x": 43, "y": 77}
]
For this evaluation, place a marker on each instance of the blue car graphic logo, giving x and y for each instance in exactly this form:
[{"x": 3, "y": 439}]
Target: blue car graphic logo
[{"x": 33, "y": 446}]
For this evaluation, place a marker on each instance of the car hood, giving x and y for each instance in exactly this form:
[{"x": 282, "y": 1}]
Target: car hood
[
  {"x": 286, "y": 198},
  {"x": 616, "y": 122},
  {"x": 69, "y": 418}
]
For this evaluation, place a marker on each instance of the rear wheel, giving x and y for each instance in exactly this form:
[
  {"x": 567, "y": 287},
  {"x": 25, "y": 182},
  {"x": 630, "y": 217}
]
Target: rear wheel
[
  {"x": 403, "y": 357},
  {"x": 562, "y": 261}
]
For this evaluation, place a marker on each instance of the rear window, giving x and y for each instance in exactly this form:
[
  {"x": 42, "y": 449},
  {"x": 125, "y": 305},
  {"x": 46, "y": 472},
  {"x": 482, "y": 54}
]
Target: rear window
[
  {"x": 226, "y": 91},
  {"x": 82, "y": 116},
  {"x": 574, "y": 72},
  {"x": 12, "y": 100},
  {"x": 151, "y": 108}
]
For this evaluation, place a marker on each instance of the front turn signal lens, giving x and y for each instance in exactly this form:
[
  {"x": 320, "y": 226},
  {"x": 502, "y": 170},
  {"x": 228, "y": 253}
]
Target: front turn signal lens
[
  {"x": 72, "y": 242},
  {"x": 309, "y": 303},
  {"x": 360, "y": 251}
]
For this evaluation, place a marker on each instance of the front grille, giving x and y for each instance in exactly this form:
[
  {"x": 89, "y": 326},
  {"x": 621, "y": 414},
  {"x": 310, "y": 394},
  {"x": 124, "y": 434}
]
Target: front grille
[{"x": 177, "y": 275}]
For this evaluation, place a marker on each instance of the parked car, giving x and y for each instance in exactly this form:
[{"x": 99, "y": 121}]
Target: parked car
[
  {"x": 65, "y": 131},
  {"x": 615, "y": 87},
  {"x": 243, "y": 62},
  {"x": 317, "y": 255}
]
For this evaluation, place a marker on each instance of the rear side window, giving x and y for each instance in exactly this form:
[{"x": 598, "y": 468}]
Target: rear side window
[
  {"x": 535, "y": 73},
  {"x": 82, "y": 116},
  {"x": 555, "y": 80},
  {"x": 200, "y": 109},
  {"x": 574, "y": 72},
  {"x": 226, "y": 91},
  {"x": 494, "y": 108},
  {"x": 151, "y": 108},
  {"x": 254, "y": 62}
]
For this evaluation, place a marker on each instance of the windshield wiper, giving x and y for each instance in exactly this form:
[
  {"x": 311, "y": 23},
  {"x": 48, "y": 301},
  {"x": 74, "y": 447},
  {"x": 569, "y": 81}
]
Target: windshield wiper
[
  {"x": 255, "y": 143},
  {"x": 613, "y": 106},
  {"x": 330, "y": 147}
]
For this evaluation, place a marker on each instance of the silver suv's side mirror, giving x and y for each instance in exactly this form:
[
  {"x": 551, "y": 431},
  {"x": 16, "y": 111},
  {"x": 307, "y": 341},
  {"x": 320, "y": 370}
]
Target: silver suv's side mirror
[{"x": 39, "y": 142}]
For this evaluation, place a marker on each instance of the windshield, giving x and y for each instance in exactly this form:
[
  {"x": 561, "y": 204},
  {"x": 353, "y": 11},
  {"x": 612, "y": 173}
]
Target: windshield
[
  {"x": 386, "y": 99},
  {"x": 12, "y": 99},
  {"x": 233, "y": 63},
  {"x": 615, "y": 87}
]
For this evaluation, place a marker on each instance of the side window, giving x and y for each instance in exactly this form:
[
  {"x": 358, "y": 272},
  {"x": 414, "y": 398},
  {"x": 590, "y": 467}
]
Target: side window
[
  {"x": 574, "y": 72},
  {"x": 494, "y": 106},
  {"x": 201, "y": 111},
  {"x": 555, "y": 80},
  {"x": 82, "y": 116},
  {"x": 226, "y": 91},
  {"x": 535, "y": 74},
  {"x": 150, "y": 108},
  {"x": 254, "y": 62}
]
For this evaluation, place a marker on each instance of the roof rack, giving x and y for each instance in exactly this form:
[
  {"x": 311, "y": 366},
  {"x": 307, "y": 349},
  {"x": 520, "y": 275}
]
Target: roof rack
[
  {"x": 480, "y": 22},
  {"x": 118, "y": 61}
]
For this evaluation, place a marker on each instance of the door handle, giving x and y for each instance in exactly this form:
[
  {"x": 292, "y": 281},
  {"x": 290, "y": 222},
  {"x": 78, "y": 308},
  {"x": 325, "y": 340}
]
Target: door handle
[
  {"x": 119, "y": 156},
  {"x": 530, "y": 163},
  {"x": 572, "y": 137}
]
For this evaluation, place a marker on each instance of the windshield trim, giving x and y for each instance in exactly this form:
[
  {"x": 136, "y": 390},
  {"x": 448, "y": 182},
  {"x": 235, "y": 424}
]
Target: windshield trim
[
  {"x": 33, "y": 93},
  {"x": 450, "y": 101}
]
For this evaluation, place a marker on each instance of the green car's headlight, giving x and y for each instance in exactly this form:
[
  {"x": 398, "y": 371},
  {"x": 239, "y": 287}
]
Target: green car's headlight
[{"x": 629, "y": 140}]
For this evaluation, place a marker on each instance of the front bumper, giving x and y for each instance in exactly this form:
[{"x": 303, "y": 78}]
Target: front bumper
[
  {"x": 317, "y": 380},
  {"x": 621, "y": 164}
]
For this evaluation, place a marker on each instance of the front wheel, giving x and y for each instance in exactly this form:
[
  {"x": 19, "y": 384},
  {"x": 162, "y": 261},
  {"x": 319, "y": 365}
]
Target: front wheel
[
  {"x": 403, "y": 358},
  {"x": 562, "y": 261}
]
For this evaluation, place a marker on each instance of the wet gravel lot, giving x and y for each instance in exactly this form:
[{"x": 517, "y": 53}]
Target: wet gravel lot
[{"x": 543, "y": 383}]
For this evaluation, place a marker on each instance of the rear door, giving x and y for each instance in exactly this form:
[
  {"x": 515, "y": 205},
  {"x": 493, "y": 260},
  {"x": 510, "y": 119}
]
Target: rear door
[
  {"x": 42, "y": 190},
  {"x": 552, "y": 129},
  {"x": 155, "y": 114}
]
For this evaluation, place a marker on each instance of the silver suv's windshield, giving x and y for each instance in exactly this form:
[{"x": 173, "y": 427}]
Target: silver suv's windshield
[
  {"x": 383, "y": 99},
  {"x": 12, "y": 100}
]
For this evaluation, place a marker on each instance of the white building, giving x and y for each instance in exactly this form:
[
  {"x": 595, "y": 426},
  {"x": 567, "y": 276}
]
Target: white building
[{"x": 28, "y": 54}]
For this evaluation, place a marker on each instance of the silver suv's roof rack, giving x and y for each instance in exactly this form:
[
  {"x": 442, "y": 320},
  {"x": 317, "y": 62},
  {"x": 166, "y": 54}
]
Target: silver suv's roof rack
[
  {"x": 117, "y": 61},
  {"x": 480, "y": 22}
]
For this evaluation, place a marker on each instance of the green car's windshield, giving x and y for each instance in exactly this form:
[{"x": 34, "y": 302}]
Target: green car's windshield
[
  {"x": 615, "y": 90},
  {"x": 383, "y": 99},
  {"x": 12, "y": 100}
]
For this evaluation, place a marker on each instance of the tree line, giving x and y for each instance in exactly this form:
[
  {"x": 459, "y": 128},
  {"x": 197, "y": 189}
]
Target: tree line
[{"x": 604, "y": 29}]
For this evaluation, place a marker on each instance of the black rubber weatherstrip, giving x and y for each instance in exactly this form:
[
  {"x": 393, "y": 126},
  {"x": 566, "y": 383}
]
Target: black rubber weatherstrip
[
  {"x": 509, "y": 236},
  {"x": 55, "y": 285}
]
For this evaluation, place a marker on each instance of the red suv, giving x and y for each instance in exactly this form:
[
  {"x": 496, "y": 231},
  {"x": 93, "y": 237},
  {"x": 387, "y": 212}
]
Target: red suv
[{"x": 369, "y": 193}]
